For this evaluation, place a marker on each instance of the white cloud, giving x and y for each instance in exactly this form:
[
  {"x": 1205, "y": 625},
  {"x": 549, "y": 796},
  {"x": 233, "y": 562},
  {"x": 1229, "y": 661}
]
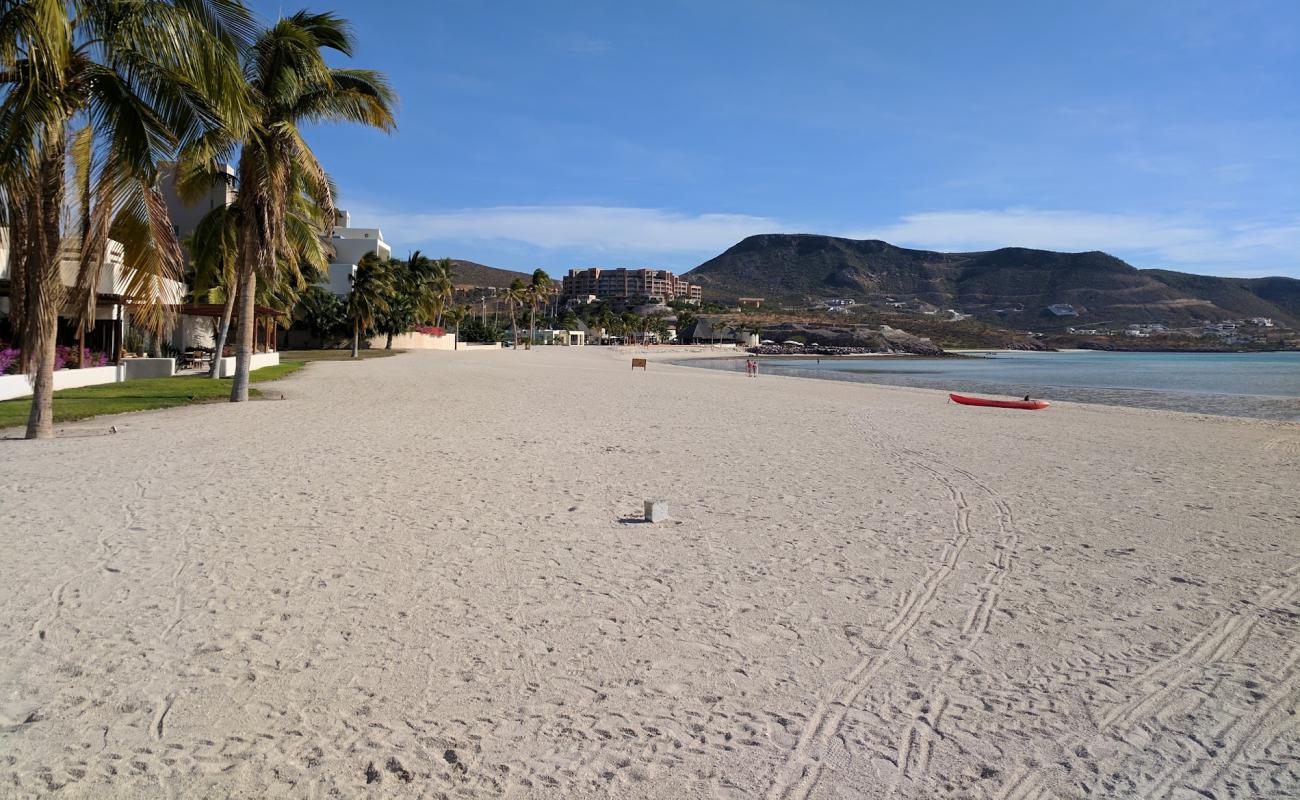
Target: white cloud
[
  {"x": 632, "y": 235},
  {"x": 604, "y": 229}
]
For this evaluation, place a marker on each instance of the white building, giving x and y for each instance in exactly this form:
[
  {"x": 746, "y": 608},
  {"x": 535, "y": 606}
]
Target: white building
[
  {"x": 108, "y": 332},
  {"x": 350, "y": 244},
  {"x": 186, "y": 216}
]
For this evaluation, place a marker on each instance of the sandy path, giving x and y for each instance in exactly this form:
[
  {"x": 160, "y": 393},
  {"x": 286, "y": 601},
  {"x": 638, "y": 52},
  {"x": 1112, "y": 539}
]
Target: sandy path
[{"x": 418, "y": 577}]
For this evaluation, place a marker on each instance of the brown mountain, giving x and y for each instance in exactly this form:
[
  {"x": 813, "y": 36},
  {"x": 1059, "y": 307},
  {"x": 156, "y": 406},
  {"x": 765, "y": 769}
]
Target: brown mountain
[
  {"x": 805, "y": 268},
  {"x": 470, "y": 275}
]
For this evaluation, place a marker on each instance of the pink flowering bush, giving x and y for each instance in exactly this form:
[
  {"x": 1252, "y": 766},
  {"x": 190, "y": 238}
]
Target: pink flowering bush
[
  {"x": 64, "y": 357},
  {"x": 8, "y": 359}
]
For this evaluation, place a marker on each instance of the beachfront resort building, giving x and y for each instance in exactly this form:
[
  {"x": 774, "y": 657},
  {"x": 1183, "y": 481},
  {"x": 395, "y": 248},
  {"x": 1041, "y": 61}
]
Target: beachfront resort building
[
  {"x": 107, "y": 334},
  {"x": 106, "y": 338},
  {"x": 186, "y": 216},
  {"x": 350, "y": 244},
  {"x": 583, "y": 285}
]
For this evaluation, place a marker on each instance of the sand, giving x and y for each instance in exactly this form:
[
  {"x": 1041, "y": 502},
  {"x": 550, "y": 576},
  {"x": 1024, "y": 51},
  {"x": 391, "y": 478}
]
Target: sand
[{"x": 424, "y": 576}]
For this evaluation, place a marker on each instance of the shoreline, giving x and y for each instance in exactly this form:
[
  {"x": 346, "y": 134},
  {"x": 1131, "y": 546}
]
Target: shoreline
[{"x": 1264, "y": 407}]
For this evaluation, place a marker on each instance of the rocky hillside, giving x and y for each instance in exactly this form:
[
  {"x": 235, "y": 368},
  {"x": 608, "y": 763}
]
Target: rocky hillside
[
  {"x": 469, "y": 275},
  {"x": 1015, "y": 285},
  {"x": 879, "y": 340}
]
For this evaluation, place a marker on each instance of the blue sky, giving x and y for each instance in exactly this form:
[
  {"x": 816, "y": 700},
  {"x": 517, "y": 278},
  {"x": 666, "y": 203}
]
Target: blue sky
[{"x": 565, "y": 134}]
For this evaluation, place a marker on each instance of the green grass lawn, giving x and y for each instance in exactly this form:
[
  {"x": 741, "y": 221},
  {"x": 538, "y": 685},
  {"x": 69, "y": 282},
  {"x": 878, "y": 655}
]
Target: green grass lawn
[
  {"x": 336, "y": 355},
  {"x": 144, "y": 394}
]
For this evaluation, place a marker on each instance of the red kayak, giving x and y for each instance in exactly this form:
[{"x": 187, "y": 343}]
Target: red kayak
[{"x": 1028, "y": 405}]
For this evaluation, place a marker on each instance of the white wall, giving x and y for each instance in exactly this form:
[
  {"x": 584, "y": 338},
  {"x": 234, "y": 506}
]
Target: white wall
[
  {"x": 415, "y": 341},
  {"x": 259, "y": 360},
  {"x": 350, "y": 244},
  {"x": 191, "y": 332},
  {"x": 340, "y": 276},
  {"x": 12, "y": 386},
  {"x": 148, "y": 368}
]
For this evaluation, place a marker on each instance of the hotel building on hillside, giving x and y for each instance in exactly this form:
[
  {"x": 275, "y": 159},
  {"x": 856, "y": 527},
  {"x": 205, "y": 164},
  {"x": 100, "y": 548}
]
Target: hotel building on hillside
[{"x": 622, "y": 284}]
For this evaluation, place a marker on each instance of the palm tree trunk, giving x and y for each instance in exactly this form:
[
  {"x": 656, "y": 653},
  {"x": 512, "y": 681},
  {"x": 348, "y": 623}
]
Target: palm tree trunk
[
  {"x": 244, "y": 342},
  {"x": 44, "y": 287},
  {"x": 227, "y": 311},
  {"x": 40, "y": 423}
]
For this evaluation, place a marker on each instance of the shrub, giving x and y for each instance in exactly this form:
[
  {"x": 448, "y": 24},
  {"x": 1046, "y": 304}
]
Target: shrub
[
  {"x": 64, "y": 357},
  {"x": 8, "y": 359},
  {"x": 67, "y": 357}
]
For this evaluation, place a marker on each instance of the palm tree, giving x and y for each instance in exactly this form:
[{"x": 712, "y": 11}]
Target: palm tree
[
  {"x": 516, "y": 296},
  {"x": 213, "y": 245},
  {"x": 289, "y": 83},
  {"x": 324, "y": 313},
  {"x": 457, "y": 315},
  {"x": 603, "y": 321},
  {"x": 215, "y": 248},
  {"x": 95, "y": 94},
  {"x": 657, "y": 324},
  {"x": 537, "y": 293},
  {"x": 402, "y": 310},
  {"x": 629, "y": 321},
  {"x": 371, "y": 285},
  {"x": 442, "y": 288}
]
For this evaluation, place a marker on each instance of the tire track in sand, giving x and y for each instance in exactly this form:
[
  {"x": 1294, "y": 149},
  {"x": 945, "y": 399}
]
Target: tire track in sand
[
  {"x": 802, "y": 770},
  {"x": 1217, "y": 642},
  {"x": 924, "y": 725},
  {"x": 1255, "y": 729}
]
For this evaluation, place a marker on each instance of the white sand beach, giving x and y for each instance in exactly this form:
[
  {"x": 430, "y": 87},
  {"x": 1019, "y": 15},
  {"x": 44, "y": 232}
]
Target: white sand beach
[{"x": 423, "y": 576}]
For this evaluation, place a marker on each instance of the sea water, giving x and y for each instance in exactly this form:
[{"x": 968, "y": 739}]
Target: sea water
[{"x": 1263, "y": 385}]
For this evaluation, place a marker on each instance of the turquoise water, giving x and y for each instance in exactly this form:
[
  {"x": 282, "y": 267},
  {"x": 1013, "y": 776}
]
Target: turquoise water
[{"x": 1264, "y": 385}]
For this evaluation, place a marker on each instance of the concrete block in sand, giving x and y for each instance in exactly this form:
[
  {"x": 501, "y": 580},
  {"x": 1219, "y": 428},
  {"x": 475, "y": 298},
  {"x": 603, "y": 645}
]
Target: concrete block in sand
[{"x": 656, "y": 510}]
